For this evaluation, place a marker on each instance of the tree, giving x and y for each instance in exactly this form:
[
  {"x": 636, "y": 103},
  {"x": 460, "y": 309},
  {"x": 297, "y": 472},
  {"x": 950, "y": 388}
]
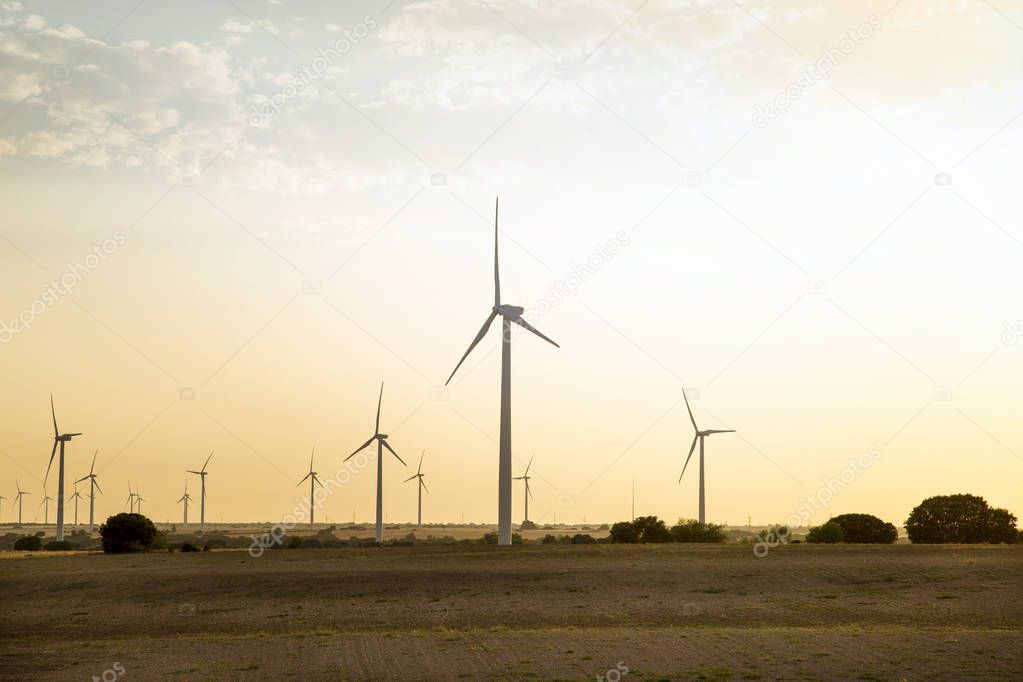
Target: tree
[
  {"x": 583, "y": 539},
  {"x": 691, "y": 530},
  {"x": 959, "y": 519},
  {"x": 624, "y": 532},
  {"x": 28, "y": 543},
  {"x": 864, "y": 528},
  {"x": 830, "y": 533},
  {"x": 128, "y": 533}
]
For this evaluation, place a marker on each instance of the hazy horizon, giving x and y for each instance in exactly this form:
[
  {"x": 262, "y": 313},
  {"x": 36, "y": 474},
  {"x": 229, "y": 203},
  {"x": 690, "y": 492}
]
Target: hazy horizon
[{"x": 249, "y": 261}]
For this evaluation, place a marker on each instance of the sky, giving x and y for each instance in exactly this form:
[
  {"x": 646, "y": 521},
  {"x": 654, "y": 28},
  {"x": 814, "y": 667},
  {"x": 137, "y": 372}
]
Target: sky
[{"x": 225, "y": 223}]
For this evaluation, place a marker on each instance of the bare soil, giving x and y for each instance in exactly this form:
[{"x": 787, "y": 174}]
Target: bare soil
[{"x": 525, "y": 612}]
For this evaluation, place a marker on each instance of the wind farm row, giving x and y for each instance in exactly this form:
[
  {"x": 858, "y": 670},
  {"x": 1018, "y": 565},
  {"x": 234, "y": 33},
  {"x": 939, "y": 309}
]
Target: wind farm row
[{"x": 510, "y": 315}]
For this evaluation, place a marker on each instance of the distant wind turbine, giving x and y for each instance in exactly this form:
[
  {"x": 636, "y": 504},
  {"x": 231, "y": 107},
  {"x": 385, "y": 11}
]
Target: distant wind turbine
[
  {"x": 60, "y": 438},
  {"x": 138, "y": 500},
  {"x": 381, "y": 439},
  {"x": 202, "y": 497},
  {"x": 186, "y": 498},
  {"x": 93, "y": 487},
  {"x": 131, "y": 499},
  {"x": 422, "y": 486},
  {"x": 2, "y": 498},
  {"x": 510, "y": 314},
  {"x": 313, "y": 480},
  {"x": 700, "y": 435},
  {"x": 529, "y": 493},
  {"x": 77, "y": 496},
  {"x": 17, "y": 498},
  {"x": 46, "y": 508}
]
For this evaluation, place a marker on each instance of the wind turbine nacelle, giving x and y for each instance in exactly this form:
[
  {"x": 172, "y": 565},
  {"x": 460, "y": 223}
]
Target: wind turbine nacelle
[
  {"x": 382, "y": 436},
  {"x": 510, "y": 310}
]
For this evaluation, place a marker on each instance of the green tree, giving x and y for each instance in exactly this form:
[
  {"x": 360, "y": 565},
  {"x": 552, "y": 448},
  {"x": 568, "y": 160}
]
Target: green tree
[
  {"x": 959, "y": 519},
  {"x": 128, "y": 533},
  {"x": 830, "y": 533},
  {"x": 624, "y": 532},
  {"x": 691, "y": 530},
  {"x": 865, "y": 528},
  {"x": 28, "y": 543}
]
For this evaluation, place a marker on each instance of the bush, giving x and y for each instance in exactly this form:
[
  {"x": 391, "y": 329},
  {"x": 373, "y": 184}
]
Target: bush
[
  {"x": 959, "y": 519},
  {"x": 188, "y": 547},
  {"x": 549, "y": 539},
  {"x": 583, "y": 539},
  {"x": 864, "y": 528},
  {"x": 528, "y": 525},
  {"x": 128, "y": 533},
  {"x": 830, "y": 533},
  {"x": 624, "y": 532},
  {"x": 28, "y": 543},
  {"x": 58, "y": 546},
  {"x": 691, "y": 530},
  {"x": 312, "y": 543}
]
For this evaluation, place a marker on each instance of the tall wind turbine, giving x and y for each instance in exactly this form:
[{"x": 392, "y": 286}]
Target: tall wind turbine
[
  {"x": 510, "y": 314},
  {"x": 186, "y": 498},
  {"x": 313, "y": 480},
  {"x": 529, "y": 493},
  {"x": 60, "y": 438},
  {"x": 46, "y": 508},
  {"x": 131, "y": 499},
  {"x": 138, "y": 500},
  {"x": 93, "y": 487},
  {"x": 77, "y": 496},
  {"x": 17, "y": 498},
  {"x": 381, "y": 439},
  {"x": 202, "y": 498},
  {"x": 422, "y": 486},
  {"x": 700, "y": 435}
]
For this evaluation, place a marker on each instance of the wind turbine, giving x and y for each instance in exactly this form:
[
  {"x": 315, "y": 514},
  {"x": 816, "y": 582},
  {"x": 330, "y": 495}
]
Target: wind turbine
[
  {"x": 77, "y": 496},
  {"x": 700, "y": 435},
  {"x": 138, "y": 501},
  {"x": 525, "y": 477},
  {"x": 17, "y": 498},
  {"x": 381, "y": 439},
  {"x": 422, "y": 486},
  {"x": 186, "y": 498},
  {"x": 313, "y": 480},
  {"x": 202, "y": 498},
  {"x": 131, "y": 499},
  {"x": 46, "y": 508},
  {"x": 93, "y": 487},
  {"x": 60, "y": 438},
  {"x": 510, "y": 314}
]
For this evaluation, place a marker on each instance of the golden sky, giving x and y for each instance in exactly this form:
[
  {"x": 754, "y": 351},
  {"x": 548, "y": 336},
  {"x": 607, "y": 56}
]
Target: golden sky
[{"x": 804, "y": 213}]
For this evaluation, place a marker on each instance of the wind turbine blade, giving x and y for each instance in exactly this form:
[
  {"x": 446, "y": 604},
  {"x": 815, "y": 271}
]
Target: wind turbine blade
[
  {"x": 479, "y": 337},
  {"x": 529, "y": 491},
  {"x": 311, "y": 458},
  {"x": 423, "y": 483},
  {"x": 83, "y": 478},
  {"x": 388, "y": 446},
  {"x": 497, "y": 271},
  {"x": 93, "y": 465},
  {"x": 304, "y": 479},
  {"x": 420, "y": 469},
  {"x": 97, "y": 486},
  {"x": 380, "y": 401},
  {"x": 525, "y": 325},
  {"x": 207, "y": 461},
  {"x": 410, "y": 478},
  {"x": 529, "y": 465},
  {"x": 318, "y": 482},
  {"x": 360, "y": 448},
  {"x": 691, "y": 417},
  {"x": 53, "y": 412},
  {"x": 691, "y": 448},
  {"x": 52, "y": 453},
  {"x": 720, "y": 431}
]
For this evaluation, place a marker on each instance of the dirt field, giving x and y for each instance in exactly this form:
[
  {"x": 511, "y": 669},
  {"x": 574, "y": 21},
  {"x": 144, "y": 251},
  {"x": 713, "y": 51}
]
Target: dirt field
[{"x": 525, "y": 612}]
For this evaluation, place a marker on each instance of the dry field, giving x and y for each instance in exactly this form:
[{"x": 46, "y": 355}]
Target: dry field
[{"x": 526, "y": 612}]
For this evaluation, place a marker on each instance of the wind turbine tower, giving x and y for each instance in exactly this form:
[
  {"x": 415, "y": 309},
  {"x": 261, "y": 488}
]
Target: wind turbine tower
[
  {"x": 700, "y": 436},
  {"x": 202, "y": 497},
  {"x": 313, "y": 480},
  {"x": 58, "y": 438},
  {"x": 529, "y": 493},
  {"x": 510, "y": 314},
  {"x": 422, "y": 486},
  {"x": 93, "y": 487}
]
